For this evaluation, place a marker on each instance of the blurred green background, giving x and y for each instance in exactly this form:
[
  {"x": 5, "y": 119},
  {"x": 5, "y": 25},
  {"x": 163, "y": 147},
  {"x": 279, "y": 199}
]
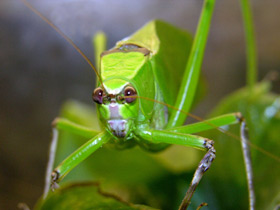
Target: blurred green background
[{"x": 40, "y": 70}]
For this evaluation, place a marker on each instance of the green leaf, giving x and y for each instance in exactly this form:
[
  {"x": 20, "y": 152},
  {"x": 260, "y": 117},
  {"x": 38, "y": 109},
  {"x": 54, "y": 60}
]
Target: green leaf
[{"x": 84, "y": 196}]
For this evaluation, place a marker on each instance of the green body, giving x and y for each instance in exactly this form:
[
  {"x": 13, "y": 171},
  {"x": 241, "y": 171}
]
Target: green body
[
  {"x": 159, "y": 66},
  {"x": 161, "y": 63},
  {"x": 148, "y": 70},
  {"x": 147, "y": 84}
]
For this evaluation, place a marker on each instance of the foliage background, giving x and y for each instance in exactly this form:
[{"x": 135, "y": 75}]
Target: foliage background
[{"x": 39, "y": 70}]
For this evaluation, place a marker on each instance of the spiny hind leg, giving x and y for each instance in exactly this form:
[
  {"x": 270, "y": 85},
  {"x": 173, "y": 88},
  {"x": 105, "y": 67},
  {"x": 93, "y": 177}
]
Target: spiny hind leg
[{"x": 203, "y": 166}]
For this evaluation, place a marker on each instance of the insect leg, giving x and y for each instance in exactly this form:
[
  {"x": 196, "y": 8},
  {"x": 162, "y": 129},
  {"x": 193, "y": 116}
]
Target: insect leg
[
  {"x": 248, "y": 163},
  {"x": 190, "y": 78},
  {"x": 78, "y": 156},
  {"x": 52, "y": 151},
  {"x": 67, "y": 125},
  {"x": 213, "y": 123},
  {"x": 222, "y": 120},
  {"x": 175, "y": 136},
  {"x": 163, "y": 136},
  {"x": 203, "y": 166}
]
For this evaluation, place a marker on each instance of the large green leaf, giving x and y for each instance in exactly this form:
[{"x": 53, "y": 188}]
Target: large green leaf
[{"x": 85, "y": 196}]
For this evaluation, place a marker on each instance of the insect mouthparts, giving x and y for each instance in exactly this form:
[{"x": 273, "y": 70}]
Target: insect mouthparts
[{"x": 118, "y": 127}]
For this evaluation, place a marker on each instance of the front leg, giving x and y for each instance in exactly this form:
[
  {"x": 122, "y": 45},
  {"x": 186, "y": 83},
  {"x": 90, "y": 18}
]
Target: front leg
[
  {"x": 79, "y": 155},
  {"x": 52, "y": 177},
  {"x": 66, "y": 125},
  {"x": 157, "y": 136}
]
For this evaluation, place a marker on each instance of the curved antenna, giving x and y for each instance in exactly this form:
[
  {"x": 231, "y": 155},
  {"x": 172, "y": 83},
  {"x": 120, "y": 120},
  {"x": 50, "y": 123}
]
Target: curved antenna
[
  {"x": 26, "y": 3},
  {"x": 234, "y": 136}
]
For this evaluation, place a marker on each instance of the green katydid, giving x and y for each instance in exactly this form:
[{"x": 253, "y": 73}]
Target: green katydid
[{"x": 135, "y": 110}]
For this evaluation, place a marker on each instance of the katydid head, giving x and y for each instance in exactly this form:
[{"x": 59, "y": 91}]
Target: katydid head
[
  {"x": 126, "y": 74},
  {"x": 117, "y": 112}
]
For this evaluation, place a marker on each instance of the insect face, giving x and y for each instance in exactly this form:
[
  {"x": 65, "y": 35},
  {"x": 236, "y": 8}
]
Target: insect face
[{"x": 118, "y": 108}]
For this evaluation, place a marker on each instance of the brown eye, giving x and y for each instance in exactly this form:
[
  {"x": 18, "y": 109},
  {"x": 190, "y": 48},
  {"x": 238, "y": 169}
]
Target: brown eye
[
  {"x": 130, "y": 91},
  {"x": 97, "y": 95}
]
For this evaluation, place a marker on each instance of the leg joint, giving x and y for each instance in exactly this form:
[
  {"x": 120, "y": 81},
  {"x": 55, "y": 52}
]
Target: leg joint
[
  {"x": 240, "y": 117},
  {"x": 209, "y": 156},
  {"x": 209, "y": 145},
  {"x": 55, "y": 176}
]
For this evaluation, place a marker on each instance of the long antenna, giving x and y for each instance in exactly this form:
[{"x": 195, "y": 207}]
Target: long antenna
[{"x": 26, "y": 3}]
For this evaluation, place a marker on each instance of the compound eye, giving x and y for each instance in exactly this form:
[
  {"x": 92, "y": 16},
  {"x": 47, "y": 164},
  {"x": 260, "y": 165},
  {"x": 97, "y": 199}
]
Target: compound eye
[
  {"x": 130, "y": 91},
  {"x": 97, "y": 95}
]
